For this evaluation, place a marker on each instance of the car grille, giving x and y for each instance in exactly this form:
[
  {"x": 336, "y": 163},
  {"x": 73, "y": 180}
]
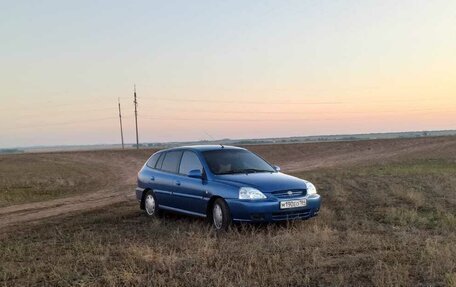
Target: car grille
[
  {"x": 290, "y": 215},
  {"x": 289, "y": 193}
]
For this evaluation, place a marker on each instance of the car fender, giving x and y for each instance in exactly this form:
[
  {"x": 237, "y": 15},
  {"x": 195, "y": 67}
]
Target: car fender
[{"x": 222, "y": 189}]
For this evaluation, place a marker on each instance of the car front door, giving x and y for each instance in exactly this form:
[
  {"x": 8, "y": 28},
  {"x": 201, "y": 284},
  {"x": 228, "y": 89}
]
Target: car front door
[{"x": 189, "y": 194}]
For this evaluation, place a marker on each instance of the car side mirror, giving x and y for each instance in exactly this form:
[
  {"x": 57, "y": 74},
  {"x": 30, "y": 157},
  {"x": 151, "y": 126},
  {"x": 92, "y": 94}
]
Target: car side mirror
[
  {"x": 277, "y": 168},
  {"x": 195, "y": 173}
]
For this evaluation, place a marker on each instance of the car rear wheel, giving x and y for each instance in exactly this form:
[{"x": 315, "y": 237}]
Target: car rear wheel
[
  {"x": 221, "y": 216},
  {"x": 150, "y": 204}
]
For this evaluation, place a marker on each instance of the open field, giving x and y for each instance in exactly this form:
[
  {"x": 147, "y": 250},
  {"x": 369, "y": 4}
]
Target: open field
[{"x": 388, "y": 218}]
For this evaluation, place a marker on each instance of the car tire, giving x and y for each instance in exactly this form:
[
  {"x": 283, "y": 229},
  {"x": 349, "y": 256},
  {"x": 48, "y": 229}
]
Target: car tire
[
  {"x": 151, "y": 205},
  {"x": 220, "y": 215}
]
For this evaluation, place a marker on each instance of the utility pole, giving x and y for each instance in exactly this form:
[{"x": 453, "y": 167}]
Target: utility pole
[
  {"x": 121, "y": 129},
  {"x": 136, "y": 117}
]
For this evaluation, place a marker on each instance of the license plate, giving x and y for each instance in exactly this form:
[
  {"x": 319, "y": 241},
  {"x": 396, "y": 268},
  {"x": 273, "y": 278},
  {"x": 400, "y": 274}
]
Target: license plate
[{"x": 293, "y": 203}]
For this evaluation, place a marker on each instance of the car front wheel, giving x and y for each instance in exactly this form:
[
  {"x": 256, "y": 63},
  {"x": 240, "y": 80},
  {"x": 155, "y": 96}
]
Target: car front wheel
[{"x": 221, "y": 216}]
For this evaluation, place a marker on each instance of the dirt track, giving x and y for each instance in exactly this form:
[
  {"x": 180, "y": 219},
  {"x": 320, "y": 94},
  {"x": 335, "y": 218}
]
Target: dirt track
[
  {"x": 291, "y": 157},
  {"x": 124, "y": 167}
]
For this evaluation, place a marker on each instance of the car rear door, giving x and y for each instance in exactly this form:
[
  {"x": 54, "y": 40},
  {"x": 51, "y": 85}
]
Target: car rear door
[
  {"x": 165, "y": 178},
  {"x": 189, "y": 194}
]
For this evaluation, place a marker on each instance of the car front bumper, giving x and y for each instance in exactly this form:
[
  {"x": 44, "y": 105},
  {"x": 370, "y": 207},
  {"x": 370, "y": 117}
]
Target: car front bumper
[{"x": 269, "y": 210}]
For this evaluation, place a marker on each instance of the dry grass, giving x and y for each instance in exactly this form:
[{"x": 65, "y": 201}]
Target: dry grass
[
  {"x": 25, "y": 178},
  {"x": 29, "y": 178},
  {"x": 388, "y": 224}
]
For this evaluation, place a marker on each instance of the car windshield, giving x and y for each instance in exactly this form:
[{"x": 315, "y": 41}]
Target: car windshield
[{"x": 231, "y": 161}]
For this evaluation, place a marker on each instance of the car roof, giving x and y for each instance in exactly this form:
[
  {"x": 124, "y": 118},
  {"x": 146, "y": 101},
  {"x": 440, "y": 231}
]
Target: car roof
[{"x": 202, "y": 148}]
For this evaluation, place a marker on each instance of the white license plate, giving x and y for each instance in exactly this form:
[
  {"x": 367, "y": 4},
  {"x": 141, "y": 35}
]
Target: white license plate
[{"x": 293, "y": 203}]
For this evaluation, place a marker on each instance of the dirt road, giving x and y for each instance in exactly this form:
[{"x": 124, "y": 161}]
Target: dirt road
[{"x": 124, "y": 165}]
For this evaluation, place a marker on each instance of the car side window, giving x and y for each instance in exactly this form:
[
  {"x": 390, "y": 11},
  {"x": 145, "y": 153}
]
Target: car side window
[
  {"x": 171, "y": 161},
  {"x": 160, "y": 160},
  {"x": 189, "y": 161},
  {"x": 153, "y": 160}
]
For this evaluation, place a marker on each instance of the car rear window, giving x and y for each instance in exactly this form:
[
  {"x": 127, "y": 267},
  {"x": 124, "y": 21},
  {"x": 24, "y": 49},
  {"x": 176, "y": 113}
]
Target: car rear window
[
  {"x": 171, "y": 161},
  {"x": 160, "y": 161}
]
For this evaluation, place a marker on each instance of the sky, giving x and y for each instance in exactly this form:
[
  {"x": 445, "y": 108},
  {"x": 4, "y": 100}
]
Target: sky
[{"x": 223, "y": 69}]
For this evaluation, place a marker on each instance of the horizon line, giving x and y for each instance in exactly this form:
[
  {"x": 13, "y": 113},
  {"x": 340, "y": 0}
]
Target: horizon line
[{"x": 451, "y": 132}]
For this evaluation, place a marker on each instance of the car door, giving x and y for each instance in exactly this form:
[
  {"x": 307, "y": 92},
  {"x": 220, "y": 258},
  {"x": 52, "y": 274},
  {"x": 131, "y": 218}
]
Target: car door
[
  {"x": 190, "y": 192},
  {"x": 164, "y": 178}
]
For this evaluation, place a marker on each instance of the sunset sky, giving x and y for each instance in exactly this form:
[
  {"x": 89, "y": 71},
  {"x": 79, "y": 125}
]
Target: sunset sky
[{"x": 223, "y": 69}]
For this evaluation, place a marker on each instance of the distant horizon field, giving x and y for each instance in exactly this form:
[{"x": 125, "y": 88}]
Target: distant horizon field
[{"x": 238, "y": 141}]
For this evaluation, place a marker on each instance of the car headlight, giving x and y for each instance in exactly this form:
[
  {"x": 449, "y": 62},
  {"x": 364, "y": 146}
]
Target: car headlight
[
  {"x": 250, "y": 193},
  {"x": 310, "y": 188}
]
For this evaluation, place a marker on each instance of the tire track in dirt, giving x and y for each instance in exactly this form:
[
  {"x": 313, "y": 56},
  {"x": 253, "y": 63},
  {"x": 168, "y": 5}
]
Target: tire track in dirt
[{"x": 32, "y": 213}]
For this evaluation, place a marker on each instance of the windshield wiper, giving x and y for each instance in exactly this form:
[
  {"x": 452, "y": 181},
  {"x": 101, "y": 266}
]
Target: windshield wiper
[
  {"x": 253, "y": 170},
  {"x": 246, "y": 170}
]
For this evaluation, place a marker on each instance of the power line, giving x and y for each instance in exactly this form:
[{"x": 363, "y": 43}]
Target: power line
[
  {"x": 423, "y": 111},
  {"x": 307, "y": 112},
  {"x": 263, "y": 120},
  {"x": 53, "y": 104},
  {"x": 245, "y": 102},
  {"x": 232, "y": 120},
  {"x": 342, "y": 102},
  {"x": 60, "y": 112},
  {"x": 62, "y": 124},
  {"x": 176, "y": 99},
  {"x": 182, "y": 119}
]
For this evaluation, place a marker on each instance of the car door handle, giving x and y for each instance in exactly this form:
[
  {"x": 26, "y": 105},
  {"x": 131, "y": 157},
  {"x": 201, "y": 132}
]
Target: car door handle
[
  {"x": 152, "y": 178},
  {"x": 178, "y": 183}
]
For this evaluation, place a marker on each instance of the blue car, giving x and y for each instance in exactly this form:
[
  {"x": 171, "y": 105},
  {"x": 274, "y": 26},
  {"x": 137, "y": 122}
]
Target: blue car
[{"x": 224, "y": 184}]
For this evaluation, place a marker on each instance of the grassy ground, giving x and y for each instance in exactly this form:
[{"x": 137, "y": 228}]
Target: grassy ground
[
  {"x": 381, "y": 224},
  {"x": 26, "y": 178}
]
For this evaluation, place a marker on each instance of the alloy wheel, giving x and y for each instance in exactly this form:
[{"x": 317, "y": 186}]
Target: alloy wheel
[
  {"x": 217, "y": 216},
  {"x": 150, "y": 204}
]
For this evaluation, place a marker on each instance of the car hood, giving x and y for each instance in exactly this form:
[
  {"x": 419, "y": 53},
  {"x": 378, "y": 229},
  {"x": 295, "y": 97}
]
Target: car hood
[{"x": 264, "y": 181}]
